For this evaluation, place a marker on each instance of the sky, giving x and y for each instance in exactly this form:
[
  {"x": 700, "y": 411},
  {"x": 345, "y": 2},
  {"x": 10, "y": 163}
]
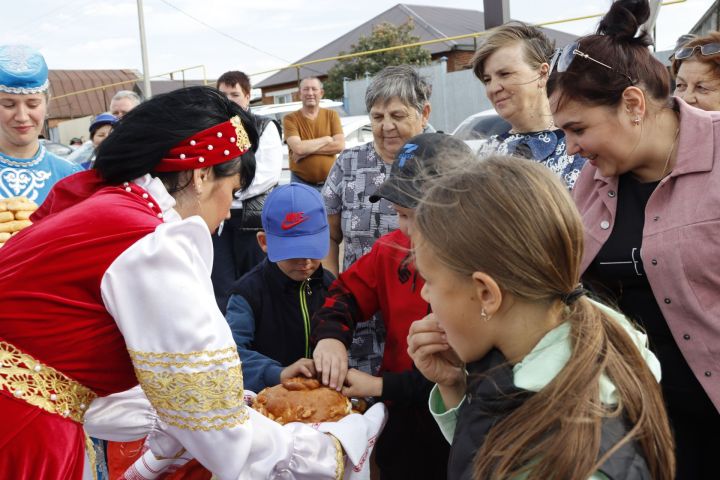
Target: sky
[{"x": 250, "y": 36}]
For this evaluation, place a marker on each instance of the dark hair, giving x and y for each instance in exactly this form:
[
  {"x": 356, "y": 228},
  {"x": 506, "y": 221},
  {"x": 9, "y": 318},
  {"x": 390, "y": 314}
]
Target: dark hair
[
  {"x": 616, "y": 44},
  {"x": 143, "y": 136},
  {"x": 100, "y": 120},
  {"x": 94, "y": 128},
  {"x": 235, "y": 77},
  {"x": 711, "y": 60}
]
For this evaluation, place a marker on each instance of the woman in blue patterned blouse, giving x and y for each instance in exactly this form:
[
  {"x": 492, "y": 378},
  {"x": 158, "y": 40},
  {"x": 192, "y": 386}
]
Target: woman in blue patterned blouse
[{"x": 512, "y": 63}]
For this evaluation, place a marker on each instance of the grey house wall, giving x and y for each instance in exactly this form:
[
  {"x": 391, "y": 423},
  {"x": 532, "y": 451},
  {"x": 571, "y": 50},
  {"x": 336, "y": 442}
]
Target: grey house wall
[{"x": 455, "y": 96}]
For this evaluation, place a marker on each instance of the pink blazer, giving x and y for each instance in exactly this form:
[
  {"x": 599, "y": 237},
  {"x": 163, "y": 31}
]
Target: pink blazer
[{"x": 681, "y": 240}]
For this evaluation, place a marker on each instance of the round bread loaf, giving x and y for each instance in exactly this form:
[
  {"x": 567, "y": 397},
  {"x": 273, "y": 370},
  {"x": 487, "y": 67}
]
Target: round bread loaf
[{"x": 302, "y": 400}]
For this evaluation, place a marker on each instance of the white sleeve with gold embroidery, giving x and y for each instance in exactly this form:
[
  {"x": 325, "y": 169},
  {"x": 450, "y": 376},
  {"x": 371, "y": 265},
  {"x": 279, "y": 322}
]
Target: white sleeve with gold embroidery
[{"x": 159, "y": 293}]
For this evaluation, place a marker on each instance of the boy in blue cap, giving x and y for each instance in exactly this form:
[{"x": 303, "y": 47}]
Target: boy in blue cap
[{"x": 270, "y": 308}]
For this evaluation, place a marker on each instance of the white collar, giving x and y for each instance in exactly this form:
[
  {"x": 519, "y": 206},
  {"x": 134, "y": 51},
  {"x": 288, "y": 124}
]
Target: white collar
[{"x": 157, "y": 190}]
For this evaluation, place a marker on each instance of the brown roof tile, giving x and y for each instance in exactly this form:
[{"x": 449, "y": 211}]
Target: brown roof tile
[{"x": 65, "y": 82}]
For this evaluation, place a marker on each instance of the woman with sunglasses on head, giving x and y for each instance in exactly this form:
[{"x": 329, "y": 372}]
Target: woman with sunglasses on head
[
  {"x": 110, "y": 287},
  {"x": 696, "y": 66},
  {"x": 512, "y": 63},
  {"x": 650, "y": 201}
]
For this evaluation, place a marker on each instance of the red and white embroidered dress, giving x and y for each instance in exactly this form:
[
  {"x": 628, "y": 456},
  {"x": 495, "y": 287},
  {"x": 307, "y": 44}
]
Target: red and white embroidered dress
[{"x": 111, "y": 287}]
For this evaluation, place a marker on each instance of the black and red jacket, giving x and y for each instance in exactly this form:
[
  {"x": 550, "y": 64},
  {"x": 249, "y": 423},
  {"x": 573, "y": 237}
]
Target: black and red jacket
[{"x": 386, "y": 281}]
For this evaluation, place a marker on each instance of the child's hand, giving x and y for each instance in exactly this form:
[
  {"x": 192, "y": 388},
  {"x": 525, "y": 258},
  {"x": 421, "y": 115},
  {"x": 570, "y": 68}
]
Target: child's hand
[
  {"x": 303, "y": 367},
  {"x": 361, "y": 384},
  {"x": 331, "y": 360},
  {"x": 433, "y": 356}
]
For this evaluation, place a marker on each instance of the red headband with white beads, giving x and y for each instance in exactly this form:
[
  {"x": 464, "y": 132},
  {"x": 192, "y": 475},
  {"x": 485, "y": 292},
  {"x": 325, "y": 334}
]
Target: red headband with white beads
[{"x": 212, "y": 146}]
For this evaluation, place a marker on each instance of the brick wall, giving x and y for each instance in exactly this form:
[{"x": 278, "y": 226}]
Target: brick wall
[{"x": 459, "y": 60}]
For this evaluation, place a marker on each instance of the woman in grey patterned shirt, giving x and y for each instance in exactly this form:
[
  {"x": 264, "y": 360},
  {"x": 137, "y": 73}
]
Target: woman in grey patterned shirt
[
  {"x": 398, "y": 100},
  {"x": 512, "y": 63}
]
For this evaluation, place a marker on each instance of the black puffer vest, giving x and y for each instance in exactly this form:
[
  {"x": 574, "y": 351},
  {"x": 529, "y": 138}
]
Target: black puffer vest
[
  {"x": 250, "y": 215},
  {"x": 492, "y": 396},
  {"x": 283, "y": 309}
]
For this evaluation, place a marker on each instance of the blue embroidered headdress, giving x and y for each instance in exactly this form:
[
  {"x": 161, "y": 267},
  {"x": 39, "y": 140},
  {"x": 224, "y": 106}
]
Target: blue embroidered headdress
[{"x": 22, "y": 70}]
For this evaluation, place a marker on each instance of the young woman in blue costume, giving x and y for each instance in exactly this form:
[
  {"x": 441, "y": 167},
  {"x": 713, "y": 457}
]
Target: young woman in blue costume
[{"x": 27, "y": 169}]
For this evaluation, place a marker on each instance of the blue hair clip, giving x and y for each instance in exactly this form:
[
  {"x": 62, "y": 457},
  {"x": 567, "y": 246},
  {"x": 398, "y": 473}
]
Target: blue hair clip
[{"x": 407, "y": 153}]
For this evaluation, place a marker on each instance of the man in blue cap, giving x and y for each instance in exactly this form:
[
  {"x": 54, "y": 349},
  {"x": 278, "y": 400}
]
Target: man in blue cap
[
  {"x": 270, "y": 308},
  {"x": 27, "y": 169}
]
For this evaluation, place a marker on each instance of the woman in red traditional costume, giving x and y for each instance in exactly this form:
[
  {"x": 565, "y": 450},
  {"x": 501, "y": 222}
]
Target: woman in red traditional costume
[{"x": 110, "y": 287}]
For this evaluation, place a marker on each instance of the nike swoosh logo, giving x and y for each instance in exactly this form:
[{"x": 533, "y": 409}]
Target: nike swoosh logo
[{"x": 285, "y": 225}]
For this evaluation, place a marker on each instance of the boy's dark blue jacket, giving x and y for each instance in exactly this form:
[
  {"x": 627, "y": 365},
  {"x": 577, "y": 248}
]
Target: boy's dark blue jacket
[{"x": 269, "y": 315}]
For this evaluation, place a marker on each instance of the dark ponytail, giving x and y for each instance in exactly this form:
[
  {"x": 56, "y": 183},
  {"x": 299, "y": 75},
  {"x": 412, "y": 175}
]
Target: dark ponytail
[
  {"x": 624, "y": 19},
  {"x": 618, "y": 44}
]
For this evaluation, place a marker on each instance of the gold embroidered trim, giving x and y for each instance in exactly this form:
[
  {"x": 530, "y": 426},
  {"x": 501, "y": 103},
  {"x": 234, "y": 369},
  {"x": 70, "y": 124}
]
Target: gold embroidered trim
[
  {"x": 144, "y": 356},
  {"x": 181, "y": 397},
  {"x": 92, "y": 457},
  {"x": 41, "y": 385},
  {"x": 339, "y": 459},
  {"x": 174, "y": 457},
  {"x": 188, "y": 363},
  {"x": 197, "y": 392},
  {"x": 216, "y": 422}
]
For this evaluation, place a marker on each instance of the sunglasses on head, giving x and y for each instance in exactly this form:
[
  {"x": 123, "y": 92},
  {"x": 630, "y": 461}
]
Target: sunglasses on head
[
  {"x": 707, "y": 49},
  {"x": 563, "y": 58}
]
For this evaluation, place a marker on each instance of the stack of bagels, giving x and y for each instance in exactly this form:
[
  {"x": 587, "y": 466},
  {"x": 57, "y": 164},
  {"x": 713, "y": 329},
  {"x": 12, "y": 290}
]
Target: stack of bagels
[{"x": 14, "y": 216}]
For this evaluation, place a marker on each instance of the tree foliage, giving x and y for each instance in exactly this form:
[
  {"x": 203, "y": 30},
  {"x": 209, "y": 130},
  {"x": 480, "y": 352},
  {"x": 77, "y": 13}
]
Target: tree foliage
[{"x": 383, "y": 35}]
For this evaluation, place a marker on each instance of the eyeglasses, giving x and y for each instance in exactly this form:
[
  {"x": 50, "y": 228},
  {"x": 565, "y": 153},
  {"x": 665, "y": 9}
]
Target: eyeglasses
[
  {"x": 563, "y": 58},
  {"x": 687, "y": 52}
]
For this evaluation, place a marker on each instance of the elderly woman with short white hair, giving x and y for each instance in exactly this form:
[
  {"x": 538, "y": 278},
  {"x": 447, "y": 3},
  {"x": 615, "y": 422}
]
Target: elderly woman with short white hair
[{"x": 398, "y": 102}]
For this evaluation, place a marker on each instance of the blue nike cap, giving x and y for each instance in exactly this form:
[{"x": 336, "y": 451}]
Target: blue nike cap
[{"x": 295, "y": 223}]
